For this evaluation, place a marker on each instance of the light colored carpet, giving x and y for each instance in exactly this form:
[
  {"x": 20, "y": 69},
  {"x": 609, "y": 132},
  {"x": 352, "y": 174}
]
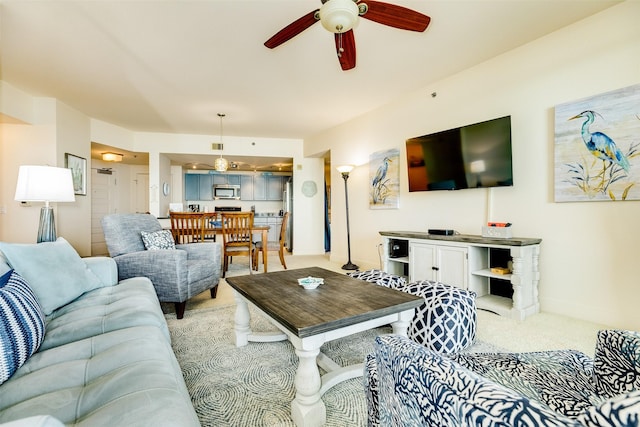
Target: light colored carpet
[{"x": 253, "y": 385}]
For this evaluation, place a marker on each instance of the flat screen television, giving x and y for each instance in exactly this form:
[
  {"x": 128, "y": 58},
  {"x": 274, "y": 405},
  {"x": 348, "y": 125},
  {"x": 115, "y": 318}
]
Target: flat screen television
[{"x": 472, "y": 156}]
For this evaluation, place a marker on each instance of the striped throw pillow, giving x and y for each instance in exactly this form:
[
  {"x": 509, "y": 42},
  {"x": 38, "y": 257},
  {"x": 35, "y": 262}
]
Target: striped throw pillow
[{"x": 21, "y": 324}]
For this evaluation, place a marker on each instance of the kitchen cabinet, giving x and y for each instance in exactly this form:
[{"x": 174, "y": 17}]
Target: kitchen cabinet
[
  {"x": 504, "y": 273},
  {"x": 206, "y": 187},
  {"x": 262, "y": 187},
  {"x": 191, "y": 186},
  {"x": 246, "y": 187}
]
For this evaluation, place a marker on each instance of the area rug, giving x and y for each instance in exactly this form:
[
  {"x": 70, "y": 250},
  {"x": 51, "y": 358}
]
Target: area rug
[{"x": 253, "y": 385}]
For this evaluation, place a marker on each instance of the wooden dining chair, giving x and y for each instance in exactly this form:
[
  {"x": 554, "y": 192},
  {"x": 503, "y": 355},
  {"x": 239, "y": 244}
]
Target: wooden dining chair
[
  {"x": 187, "y": 227},
  {"x": 211, "y": 226},
  {"x": 272, "y": 246},
  {"x": 236, "y": 235}
]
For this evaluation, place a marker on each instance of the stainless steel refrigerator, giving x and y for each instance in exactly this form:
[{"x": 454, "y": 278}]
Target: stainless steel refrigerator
[{"x": 287, "y": 206}]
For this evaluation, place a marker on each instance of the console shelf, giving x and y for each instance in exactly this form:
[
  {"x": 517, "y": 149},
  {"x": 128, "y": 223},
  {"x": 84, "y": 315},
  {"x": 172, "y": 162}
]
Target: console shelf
[{"x": 465, "y": 261}]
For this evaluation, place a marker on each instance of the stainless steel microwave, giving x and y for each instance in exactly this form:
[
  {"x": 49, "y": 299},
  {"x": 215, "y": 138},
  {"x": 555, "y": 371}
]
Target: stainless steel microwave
[{"x": 226, "y": 192}]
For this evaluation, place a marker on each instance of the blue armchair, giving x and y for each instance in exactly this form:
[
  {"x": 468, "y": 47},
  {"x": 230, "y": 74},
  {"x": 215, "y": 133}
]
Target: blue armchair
[{"x": 177, "y": 274}]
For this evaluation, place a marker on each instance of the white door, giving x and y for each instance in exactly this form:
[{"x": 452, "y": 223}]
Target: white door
[
  {"x": 142, "y": 193},
  {"x": 103, "y": 196}
]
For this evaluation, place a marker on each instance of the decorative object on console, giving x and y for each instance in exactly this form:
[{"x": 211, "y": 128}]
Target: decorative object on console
[
  {"x": 345, "y": 170},
  {"x": 384, "y": 175},
  {"x": 221, "y": 163},
  {"x": 596, "y": 147},
  {"x": 497, "y": 232},
  {"x": 45, "y": 184},
  {"x": 341, "y": 16}
]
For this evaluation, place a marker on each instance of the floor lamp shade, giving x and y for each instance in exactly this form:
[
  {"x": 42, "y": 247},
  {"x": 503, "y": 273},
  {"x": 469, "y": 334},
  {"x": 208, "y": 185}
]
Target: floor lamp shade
[{"x": 45, "y": 184}]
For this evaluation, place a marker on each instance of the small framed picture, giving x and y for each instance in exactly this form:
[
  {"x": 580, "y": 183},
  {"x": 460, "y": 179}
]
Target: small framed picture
[{"x": 78, "y": 166}]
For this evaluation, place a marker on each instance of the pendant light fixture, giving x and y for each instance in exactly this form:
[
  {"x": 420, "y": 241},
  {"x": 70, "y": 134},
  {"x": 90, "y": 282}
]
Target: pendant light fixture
[{"x": 221, "y": 163}]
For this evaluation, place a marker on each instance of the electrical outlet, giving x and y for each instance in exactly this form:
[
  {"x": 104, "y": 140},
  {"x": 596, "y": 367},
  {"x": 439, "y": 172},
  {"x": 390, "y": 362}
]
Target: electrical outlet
[{"x": 3, "y": 210}]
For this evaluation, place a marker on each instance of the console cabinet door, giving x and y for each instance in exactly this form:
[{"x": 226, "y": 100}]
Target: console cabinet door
[
  {"x": 445, "y": 264},
  {"x": 422, "y": 262},
  {"x": 452, "y": 263}
]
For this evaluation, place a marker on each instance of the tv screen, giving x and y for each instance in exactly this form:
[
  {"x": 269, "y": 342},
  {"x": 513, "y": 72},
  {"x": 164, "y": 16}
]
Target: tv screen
[{"x": 473, "y": 156}]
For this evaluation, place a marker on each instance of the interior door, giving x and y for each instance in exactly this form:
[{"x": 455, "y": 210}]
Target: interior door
[
  {"x": 142, "y": 192},
  {"x": 103, "y": 202}
]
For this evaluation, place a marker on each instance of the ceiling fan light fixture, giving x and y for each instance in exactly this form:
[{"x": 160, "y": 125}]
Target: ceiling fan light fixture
[{"x": 339, "y": 16}]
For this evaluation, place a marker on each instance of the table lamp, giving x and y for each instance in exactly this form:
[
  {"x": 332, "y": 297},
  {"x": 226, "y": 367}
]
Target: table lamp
[{"x": 45, "y": 184}]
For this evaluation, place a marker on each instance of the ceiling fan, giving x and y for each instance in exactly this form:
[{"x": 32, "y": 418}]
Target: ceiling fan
[{"x": 340, "y": 16}]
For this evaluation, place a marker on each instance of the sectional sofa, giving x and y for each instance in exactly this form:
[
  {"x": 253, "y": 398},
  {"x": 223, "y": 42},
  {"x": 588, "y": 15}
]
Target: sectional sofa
[{"x": 101, "y": 348}]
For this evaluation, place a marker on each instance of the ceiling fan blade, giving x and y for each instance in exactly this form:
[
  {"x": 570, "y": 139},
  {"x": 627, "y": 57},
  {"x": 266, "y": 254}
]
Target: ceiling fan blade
[
  {"x": 395, "y": 16},
  {"x": 292, "y": 30},
  {"x": 346, "y": 49}
]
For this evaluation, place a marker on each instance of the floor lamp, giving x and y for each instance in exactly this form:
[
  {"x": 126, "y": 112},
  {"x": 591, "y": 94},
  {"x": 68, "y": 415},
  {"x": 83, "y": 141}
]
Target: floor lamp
[
  {"x": 344, "y": 170},
  {"x": 45, "y": 184}
]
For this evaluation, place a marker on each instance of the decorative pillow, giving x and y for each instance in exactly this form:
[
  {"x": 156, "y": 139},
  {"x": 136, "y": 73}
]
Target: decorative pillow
[
  {"x": 54, "y": 270},
  {"x": 21, "y": 324},
  {"x": 157, "y": 240},
  {"x": 616, "y": 364}
]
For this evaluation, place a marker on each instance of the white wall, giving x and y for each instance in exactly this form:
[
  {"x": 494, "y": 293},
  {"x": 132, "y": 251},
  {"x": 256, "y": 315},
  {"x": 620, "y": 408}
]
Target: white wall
[
  {"x": 589, "y": 256},
  {"x": 50, "y": 130}
]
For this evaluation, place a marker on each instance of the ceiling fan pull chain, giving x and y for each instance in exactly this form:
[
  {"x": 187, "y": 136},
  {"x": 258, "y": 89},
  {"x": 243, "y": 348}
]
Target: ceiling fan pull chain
[{"x": 340, "y": 48}]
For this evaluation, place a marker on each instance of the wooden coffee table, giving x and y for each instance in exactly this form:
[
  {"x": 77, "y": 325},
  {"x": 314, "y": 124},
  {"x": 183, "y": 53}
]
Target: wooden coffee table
[{"x": 340, "y": 307}]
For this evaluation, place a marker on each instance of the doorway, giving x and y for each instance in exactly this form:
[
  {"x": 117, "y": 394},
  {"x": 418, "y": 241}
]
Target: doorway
[{"x": 103, "y": 202}]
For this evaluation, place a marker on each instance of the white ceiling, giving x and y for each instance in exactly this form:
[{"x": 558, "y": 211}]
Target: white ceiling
[{"x": 171, "y": 66}]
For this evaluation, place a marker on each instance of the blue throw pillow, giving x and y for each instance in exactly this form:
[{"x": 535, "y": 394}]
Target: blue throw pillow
[
  {"x": 21, "y": 324},
  {"x": 54, "y": 270}
]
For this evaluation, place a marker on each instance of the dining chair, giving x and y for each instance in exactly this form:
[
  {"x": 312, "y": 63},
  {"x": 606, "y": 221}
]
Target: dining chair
[
  {"x": 187, "y": 227},
  {"x": 236, "y": 235},
  {"x": 272, "y": 246},
  {"x": 211, "y": 226}
]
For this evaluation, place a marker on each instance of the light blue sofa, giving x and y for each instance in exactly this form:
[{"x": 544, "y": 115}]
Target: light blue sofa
[
  {"x": 106, "y": 359},
  {"x": 409, "y": 385}
]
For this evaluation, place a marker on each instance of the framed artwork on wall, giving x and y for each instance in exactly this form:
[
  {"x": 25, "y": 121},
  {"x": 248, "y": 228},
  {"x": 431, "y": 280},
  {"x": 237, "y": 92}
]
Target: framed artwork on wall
[
  {"x": 597, "y": 143},
  {"x": 78, "y": 166},
  {"x": 384, "y": 179}
]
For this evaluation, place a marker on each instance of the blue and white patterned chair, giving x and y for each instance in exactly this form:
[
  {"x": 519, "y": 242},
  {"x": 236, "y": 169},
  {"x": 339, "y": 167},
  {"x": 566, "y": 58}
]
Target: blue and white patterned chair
[
  {"x": 445, "y": 322},
  {"x": 380, "y": 277},
  {"x": 409, "y": 385}
]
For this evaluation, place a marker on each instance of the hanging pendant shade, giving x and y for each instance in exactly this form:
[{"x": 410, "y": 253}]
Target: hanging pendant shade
[{"x": 221, "y": 163}]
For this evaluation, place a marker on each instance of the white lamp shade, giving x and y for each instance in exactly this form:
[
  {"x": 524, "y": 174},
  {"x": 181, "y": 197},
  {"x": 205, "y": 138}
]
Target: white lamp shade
[
  {"x": 44, "y": 184},
  {"x": 339, "y": 16},
  {"x": 345, "y": 168}
]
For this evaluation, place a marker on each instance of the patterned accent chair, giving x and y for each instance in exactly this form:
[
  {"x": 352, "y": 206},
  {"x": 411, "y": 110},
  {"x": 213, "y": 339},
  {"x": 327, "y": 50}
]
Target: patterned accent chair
[
  {"x": 445, "y": 322},
  {"x": 409, "y": 385},
  {"x": 177, "y": 274}
]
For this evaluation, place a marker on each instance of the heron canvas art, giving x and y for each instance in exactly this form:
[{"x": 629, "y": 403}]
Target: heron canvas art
[
  {"x": 384, "y": 175},
  {"x": 597, "y": 147}
]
